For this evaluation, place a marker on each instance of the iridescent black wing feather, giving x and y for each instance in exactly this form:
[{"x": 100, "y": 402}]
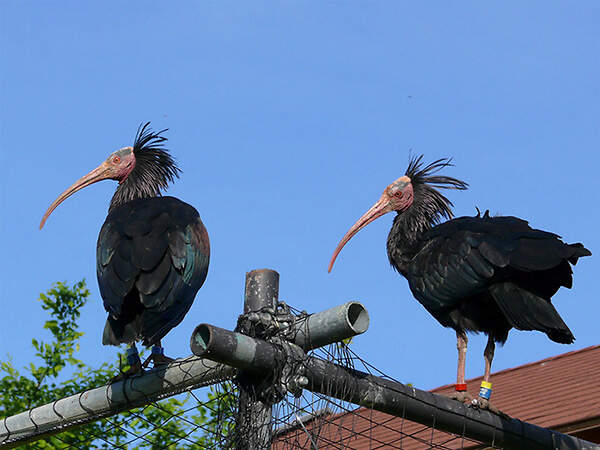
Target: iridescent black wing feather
[
  {"x": 152, "y": 257},
  {"x": 493, "y": 273}
]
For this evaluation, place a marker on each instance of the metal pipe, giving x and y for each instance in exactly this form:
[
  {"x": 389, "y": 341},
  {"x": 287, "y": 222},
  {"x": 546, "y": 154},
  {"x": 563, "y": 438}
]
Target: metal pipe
[
  {"x": 262, "y": 289},
  {"x": 329, "y": 326},
  {"x": 88, "y": 406},
  {"x": 313, "y": 331},
  {"x": 254, "y": 416},
  {"x": 234, "y": 349},
  {"x": 384, "y": 395}
]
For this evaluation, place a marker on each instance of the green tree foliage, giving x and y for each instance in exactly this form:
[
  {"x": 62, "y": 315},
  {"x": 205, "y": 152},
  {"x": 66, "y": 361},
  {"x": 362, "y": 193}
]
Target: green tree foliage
[{"x": 176, "y": 423}]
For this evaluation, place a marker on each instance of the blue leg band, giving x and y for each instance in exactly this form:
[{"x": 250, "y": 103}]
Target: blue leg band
[
  {"x": 132, "y": 355},
  {"x": 485, "y": 391},
  {"x": 158, "y": 350}
]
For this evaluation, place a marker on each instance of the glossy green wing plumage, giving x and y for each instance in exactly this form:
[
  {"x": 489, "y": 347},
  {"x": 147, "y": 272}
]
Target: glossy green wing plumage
[{"x": 152, "y": 258}]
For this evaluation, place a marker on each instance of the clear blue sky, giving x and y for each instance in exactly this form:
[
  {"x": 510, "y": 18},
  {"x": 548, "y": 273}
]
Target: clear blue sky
[{"x": 288, "y": 120}]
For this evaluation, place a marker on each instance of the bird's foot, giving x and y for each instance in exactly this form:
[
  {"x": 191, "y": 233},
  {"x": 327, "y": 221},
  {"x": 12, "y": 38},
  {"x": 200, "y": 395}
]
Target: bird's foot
[
  {"x": 158, "y": 358},
  {"x": 135, "y": 369},
  {"x": 461, "y": 396},
  {"x": 484, "y": 403}
]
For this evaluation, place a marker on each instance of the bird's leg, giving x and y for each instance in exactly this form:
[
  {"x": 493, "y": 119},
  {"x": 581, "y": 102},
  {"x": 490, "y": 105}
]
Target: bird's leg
[
  {"x": 461, "y": 393},
  {"x": 461, "y": 345},
  {"x": 135, "y": 364},
  {"x": 157, "y": 356},
  {"x": 488, "y": 355},
  {"x": 485, "y": 392}
]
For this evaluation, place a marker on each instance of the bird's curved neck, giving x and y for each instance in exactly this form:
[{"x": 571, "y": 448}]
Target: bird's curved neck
[
  {"x": 131, "y": 189},
  {"x": 404, "y": 240}
]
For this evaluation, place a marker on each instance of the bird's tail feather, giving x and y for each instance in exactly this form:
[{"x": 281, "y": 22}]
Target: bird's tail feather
[
  {"x": 116, "y": 333},
  {"x": 527, "y": 311}
]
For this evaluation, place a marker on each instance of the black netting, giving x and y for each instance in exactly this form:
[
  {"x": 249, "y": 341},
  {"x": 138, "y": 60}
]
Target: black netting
[
  {"x": 317, "y": 421},
  {"x": 198, "y": 407}
]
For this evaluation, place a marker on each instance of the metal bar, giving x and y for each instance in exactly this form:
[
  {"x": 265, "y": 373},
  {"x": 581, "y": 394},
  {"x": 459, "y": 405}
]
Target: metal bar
[
  {"x": 262, "y": 290},
  {"x": 94, "y": 404},
  {"x": 234, "y": 349},
  {"x": 329, "y": 326},
  {"x": 316, "y": 330},
  {"x": 254, "y": 416},
  {"x": 387, "y": 396},
  {"x": 434, "y": 410}
]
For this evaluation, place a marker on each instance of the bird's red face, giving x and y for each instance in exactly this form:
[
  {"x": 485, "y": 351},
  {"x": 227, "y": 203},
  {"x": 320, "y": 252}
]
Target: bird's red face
[
  {"x": 117, "y": 166},
  {"x": 120, "y": 164},
  {"x": 398, "y": 196}
]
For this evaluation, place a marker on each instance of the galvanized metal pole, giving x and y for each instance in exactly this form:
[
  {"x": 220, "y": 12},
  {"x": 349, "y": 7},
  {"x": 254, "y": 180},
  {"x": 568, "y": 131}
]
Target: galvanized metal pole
[{"x": 253, "y": 422}]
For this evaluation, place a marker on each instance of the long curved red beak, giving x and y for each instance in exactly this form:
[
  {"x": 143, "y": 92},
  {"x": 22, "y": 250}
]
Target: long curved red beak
[
  {"x": 102, "y": 172},
  {"x": 377, "y": 210}
]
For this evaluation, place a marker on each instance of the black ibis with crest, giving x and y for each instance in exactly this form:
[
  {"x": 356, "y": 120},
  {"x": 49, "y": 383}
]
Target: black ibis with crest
[
  {"x": 153, "y": 251},
  {"x": 473, "y": 274}
]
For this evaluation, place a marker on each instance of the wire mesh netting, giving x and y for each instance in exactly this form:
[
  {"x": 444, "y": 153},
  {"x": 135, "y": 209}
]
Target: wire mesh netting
[
  {"x": 204, "y": 418},
  {"x": 187, "y": 412},
  {"x": 317, "y": 421},
  {"x": 196, "y": 403},
  {"x": 278, "y": 382},
  {"x": 181, "y": 422}
]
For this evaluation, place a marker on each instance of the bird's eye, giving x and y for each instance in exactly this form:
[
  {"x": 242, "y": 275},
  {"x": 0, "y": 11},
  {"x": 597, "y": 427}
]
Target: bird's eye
[
  {"x": 398, "y": 194},
  {"x": 116, "y": 160}
]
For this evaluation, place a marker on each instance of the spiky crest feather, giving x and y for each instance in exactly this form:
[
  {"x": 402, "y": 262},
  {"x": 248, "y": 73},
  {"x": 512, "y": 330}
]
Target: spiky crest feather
[
  {"x": 433, "y": 204},
  {"x": 429, "y": 207},
  {"x": 154, "y": 168}
]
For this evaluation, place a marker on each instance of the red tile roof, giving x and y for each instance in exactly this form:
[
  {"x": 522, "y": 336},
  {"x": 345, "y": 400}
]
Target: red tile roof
[
  {"x": 561, "y": 393},
  {"x": 552, "y": 393}
]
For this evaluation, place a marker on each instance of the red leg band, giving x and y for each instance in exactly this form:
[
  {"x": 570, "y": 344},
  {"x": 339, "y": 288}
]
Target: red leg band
[{"x": 460, "y": 387}]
